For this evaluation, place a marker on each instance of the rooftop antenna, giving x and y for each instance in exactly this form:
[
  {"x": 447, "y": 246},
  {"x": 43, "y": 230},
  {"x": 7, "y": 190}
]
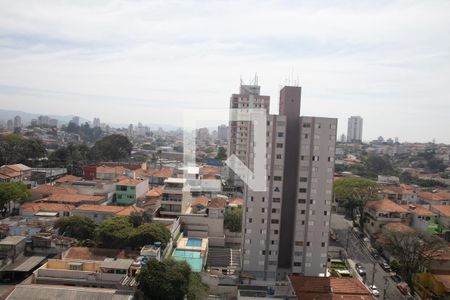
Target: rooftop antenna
[{"x": 256, "y": 79}]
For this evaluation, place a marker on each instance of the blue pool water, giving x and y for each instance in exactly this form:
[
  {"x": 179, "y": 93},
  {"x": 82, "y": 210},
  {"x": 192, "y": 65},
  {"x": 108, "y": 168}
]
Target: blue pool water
[
  {"x": 193, "y": 258},
  {"x": 194, "y": 243}
]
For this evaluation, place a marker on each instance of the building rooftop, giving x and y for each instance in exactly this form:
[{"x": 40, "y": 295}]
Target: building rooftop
[
  {"x": 444, "y": 279},
  {"x": 109, "y": 169},
  {"x": 154, "y": 192},
  {"x": 39, "y": 292},
  {"x": 12, "y": 240},
  {"x": 99, "y": 254},
  {"x": 74, "y": 198},
  {"x": 398, "y": 227},
  {"x": 129, "y": 182},
  {"x": 442, "y": 209},
  {"x": 419, "y": 210},
  {"x": 202, "y": 200},
  {"x": 218, "y": 203},
  {"x": 438, "y": 196},
  {"x": 236, "y": 201},
  {"x": 116, "y": 263},
  {"x": 67, "y": 179},
  {"x": 385, "y": 205},
  {"x": 175, "y": 180},
  {"x": 51, "y": 189},
  {"x": 115, "y": 209},
  {"x": 318, "y": 288},
  {"x": 53, "y": 207}
]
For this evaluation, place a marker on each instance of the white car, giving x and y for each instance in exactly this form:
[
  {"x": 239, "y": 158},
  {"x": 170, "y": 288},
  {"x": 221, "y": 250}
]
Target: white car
[{"x": 374, "y": 291}]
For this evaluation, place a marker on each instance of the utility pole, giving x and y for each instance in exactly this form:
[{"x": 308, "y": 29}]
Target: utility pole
[
  {"x": 373, "y": 272},
  {"x": 348, "y": 237},
  {"x": 385, "y": 287}
]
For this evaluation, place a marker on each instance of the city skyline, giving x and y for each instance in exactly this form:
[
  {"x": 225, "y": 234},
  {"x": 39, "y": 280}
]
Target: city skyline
[{"x": 353, "y": 58}]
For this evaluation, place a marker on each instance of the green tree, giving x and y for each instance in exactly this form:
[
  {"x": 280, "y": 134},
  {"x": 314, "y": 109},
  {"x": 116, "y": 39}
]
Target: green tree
[
  {"x": 413, "y": 251},
  {"x": 378, "y": 165},
  {"x": 114, "y": 232},
  {"x": 15, "y": 192},
  {"x": 139, "y": 218},
  {"x": 233, "y": 219},
  {"x": 113, "y": 147},
  {"x": 353, "y": 193},
  {"x": 221, "y": 153},
  {"x": 170, "y": 280},
  {"x": 81, "y": 228},
  {"x": 148, "y": 234},
  {"x": 16, "y": 149}
]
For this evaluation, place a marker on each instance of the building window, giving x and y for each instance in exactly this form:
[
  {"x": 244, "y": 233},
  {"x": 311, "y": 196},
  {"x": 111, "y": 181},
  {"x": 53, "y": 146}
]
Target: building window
[
  {"x": 302, "y": 212},
  {"x": 325, "y": 213},
  {"x": 276, "y": 200},
  {"x": 306, "y": 135},
  {"x": 262, "y": 221},
  {"x": 275, "y": 232},
  {"x": 303, "y": 179},
  {"x": 279, "y": 145},
  {"x": 306, "y": 125},
  {"x": 308, "y": 244},
  {"x": 277, "y": 178},
  {"x": 263, "y": 209},
  {"x": 298, "y": 243},
  {"x": 279, "y": 156},
  {"x": 301, "y": 201},
  {"x": 323, "y": 244},
  {"x": 297, "y": 264},
  {"x": 276, "y": 189},
  {"x": 302, "y": 190},
  {"x": 250, "y": 220},
  {"x": 274, "y": 221},
  {"x": 280, "y": 134}
]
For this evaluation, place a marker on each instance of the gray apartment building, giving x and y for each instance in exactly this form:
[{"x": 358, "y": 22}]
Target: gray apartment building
[{"x": 286, "y": 227}]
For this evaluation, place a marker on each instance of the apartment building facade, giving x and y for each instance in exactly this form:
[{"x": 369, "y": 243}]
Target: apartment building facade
[
  {"x": 354, "y": 129},
  {"x": 286, "y": 227}
]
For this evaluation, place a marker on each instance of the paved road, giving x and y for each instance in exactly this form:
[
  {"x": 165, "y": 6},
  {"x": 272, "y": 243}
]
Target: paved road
[{"x": 359, "y": 252}]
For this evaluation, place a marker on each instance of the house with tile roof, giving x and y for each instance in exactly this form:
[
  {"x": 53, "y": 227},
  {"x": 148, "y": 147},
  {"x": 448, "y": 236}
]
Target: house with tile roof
[
  {"x": 45, "y": 190},
  {"x": 73, "y": 199},
  {"x": 422, "y": 218},
  {"x": 15, "y": 172},
  {"x": 401, "y": 194},
  {"x": 129, "y": 190},
  {"x": 435, "y": 198},
  {"x": 36, "y": 210},
  {"x": 102, "y": 212},
  {"x": 443, "y": 218},
  {"x": 381, "y": 212}
]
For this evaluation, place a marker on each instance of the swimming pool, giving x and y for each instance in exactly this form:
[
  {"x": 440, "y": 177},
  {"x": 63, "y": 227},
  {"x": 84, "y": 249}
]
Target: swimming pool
[
  {"x": 193, "y": 258},
  {"x": 194, "y": 242}
]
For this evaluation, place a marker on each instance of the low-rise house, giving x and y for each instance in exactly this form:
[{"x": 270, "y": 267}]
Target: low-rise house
[
  {"x": 156, "y": 177},
  {"x": 432, "y": 285},
  {"x": 435, "y": 198},
  {"x": 34, "y": 209},
  {"x": 388, "y": 179},
  {"x": 443, "y": 218},
  {"x": 102, "y": 212},
  {"x": 129, "y": 190},
  {"x": 73, "y": 199},
  {"x": 111, "y": 173},
  {"x": 12, "y": 247},
  {"x": 199, "y": 204},
  {"x": 402, "y": 194},
  {"x": 152, "y": 199},
  {"x": 47, "y": 190},
  {"x": 15, "y": 172},
  {"x": 309, "y": 287},
  {"x": 381, "y": 212},
  {"x": 68, "y": 179},
  {"x": 422, "y": 218},
  {"x": 216, "y": 207}
]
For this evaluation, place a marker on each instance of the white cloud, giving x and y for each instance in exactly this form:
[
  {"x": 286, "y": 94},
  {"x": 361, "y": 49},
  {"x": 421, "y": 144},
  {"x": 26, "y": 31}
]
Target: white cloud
[{"x": 140, "y": 60}]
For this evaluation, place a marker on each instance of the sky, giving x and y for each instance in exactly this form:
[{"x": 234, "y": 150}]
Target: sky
[{"x": 147, "y": 61}]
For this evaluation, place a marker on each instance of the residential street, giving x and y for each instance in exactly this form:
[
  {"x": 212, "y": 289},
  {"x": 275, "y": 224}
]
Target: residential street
[{"x": 358, "y": 252}]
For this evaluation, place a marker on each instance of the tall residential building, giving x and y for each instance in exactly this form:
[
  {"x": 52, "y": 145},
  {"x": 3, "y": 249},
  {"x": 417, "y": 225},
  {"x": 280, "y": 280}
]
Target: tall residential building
[
  {"x": 43, "y": 120},
  {"x": 76, "y": 120},
  {"x": 239, "y": 139},
  {"x": 286, "y": 227},
  {"x": 96, "y": 122},
  {"x": 354, "y": 129},
  {"x": 17, "y": 122},
  {"x": 222, "y": 132}
]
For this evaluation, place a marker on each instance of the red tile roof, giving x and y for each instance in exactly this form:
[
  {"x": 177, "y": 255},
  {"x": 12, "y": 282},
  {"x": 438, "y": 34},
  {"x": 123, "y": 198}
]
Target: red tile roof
[
  {"x": 385, "y": 205},
  {"x": 114, "y": 209},
  {"x": 129, "y": 182},
  {"x": 218, "y": 203},
  {"x": 236, "y": 201},
  {"x": 442, "y": 209},
  {"x": 74, "y": 198},
  {"x": 398, "y": 227},
  {"x": 108, "y": 169},
  {"x": 154, "y": 192},
  {"x": 439, "y": 196},
  {"x": 202, "y": 200},
  {"x": 419, "y": 210},
  {"x": 67, "y": 178},
  {"x": 328, "y": 288},
  {"x": 35, "y": 207},
  {"x": 51, "y": 189}
]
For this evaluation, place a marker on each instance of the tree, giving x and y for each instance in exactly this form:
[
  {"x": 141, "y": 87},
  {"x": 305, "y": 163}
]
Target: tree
[
  {"x": 378, "y": 165},
  {"x": 114, "y": 232},
  {"x": 139, "y": 218},
  {"x": 170, "y": 280},
  {"x": 14, "y": 192},
  {"x": 233, "y": 219},
  {"x": 113, "y": 147},
  {"x": 221, "y": 153},
  {"x": 16, "y": 149},
  {"x": 148, "y": 234},
  {"x": 354, "y": 192},
  {"x": 413, "y": 251},
  {"x": 81, "y": 228}
]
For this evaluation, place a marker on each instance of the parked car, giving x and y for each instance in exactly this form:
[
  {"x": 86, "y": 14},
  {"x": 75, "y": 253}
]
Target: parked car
[
  {"x": 404, "y": 288},
  {"x": 386, "y": 267},
  {"x": 374, "y": 291},
  {"x": 396, "y": 278},
  {"x": 360, "y": 269}
]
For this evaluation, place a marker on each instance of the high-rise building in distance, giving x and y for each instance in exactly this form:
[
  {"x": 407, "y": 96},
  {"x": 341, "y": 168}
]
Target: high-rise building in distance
[
  {"x": 286, "y": 227},
  {"x": 17, "y": 122},
  {"x": 222, "y": 132},
  {"x": 354, "y": 129},
  {"x": 96, "y": 122}
]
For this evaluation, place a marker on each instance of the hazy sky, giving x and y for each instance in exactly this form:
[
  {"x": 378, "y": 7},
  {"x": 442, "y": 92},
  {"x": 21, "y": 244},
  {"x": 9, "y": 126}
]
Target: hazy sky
[{"x": 130, "y": 61}]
